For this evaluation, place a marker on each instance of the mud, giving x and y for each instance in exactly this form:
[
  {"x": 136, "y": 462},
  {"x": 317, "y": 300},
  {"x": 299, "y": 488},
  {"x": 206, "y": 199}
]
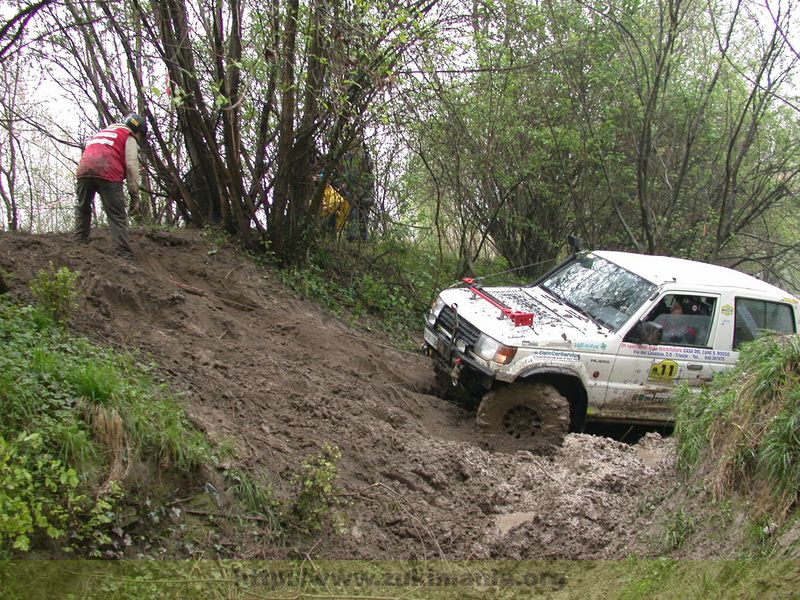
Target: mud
[{"x": 274, "y": 375}]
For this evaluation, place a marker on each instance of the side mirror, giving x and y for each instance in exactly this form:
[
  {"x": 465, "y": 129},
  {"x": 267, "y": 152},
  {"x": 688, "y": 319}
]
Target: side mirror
[
  {"x": 575, "y": 243},
  {"x": 646, "y": 332}
]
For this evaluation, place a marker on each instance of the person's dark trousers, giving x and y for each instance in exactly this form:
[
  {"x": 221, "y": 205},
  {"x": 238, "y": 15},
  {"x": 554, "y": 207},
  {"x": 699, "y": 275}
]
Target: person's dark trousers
[{"x": 113, "y": 199}]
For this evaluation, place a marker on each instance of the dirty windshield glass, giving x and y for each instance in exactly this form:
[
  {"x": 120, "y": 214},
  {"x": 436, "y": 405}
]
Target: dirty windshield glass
[{"x": 600, "y": 289}]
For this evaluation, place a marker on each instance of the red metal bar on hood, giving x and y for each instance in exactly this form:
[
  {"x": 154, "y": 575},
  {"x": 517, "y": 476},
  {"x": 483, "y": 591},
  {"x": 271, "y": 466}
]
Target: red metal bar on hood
[{"x": 519, "y": 318}]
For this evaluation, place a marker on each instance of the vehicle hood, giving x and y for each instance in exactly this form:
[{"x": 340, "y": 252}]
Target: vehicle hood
[{"x": 554, "y": 322}]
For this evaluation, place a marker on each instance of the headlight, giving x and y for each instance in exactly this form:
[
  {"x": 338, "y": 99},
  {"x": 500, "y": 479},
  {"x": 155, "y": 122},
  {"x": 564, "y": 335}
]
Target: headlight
[
  {"x": 436, "y": 308},
  {"x": 490, "y": 349}
]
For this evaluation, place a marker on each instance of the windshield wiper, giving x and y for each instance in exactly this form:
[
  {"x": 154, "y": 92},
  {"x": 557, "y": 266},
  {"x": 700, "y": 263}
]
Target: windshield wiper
[
  {"x": 582, "y": 311},
  {"x": 552, "y": 294}
]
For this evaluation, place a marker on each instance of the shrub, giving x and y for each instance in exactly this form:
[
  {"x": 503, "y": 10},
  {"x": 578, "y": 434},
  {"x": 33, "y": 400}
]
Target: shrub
[
  {"x": 37, "y": 492},
  {"x": 55, "y": 292},
  {"x": 317, "y": 498},
  {"x": 392, "y": 279}
]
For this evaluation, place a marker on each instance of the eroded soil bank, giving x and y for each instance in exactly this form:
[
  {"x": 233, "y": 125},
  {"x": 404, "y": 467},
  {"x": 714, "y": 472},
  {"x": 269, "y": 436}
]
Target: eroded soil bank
[{"x": 275, "y": 376}]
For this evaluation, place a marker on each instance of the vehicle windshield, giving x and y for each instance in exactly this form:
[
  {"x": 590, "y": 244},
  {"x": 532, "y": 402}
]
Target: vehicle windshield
[{"x": 601, "y": 290}]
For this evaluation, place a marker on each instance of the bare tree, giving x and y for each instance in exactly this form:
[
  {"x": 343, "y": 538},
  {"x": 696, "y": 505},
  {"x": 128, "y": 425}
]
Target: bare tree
[
  {"x": 9, "y": 144},
  {"x": 12, "y": 32},
  {"x": 245, "y": 102}
]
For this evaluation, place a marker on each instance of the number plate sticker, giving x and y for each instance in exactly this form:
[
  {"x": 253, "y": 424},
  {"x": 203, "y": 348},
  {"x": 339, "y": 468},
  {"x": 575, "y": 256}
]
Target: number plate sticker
[
  {"x": 430, "y": 337},
  {"x": 665, "y": 370}
]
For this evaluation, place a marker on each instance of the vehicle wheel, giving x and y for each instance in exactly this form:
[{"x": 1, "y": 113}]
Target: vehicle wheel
[{"x": 524, "y": 416}]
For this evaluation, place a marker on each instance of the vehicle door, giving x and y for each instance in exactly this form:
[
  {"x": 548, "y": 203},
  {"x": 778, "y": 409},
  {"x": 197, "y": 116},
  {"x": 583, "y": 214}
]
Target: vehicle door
[{"x": 683, "y": 327}]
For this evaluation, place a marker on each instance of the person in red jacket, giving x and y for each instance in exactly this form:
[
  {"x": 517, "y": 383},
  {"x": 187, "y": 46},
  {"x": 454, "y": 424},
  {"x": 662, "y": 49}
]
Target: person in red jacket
[{"x": 111, "y": 157}]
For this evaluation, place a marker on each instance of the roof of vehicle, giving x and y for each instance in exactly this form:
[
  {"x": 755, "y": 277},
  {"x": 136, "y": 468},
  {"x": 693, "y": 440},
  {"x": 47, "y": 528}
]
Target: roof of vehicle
[{"x": 666, "y": 269}]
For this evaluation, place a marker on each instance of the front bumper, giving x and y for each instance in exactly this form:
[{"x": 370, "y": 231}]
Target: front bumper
[{"x": 449, "y": 359}]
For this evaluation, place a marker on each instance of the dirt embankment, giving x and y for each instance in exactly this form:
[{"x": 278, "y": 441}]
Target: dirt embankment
[{"x": 277, "y": 377}]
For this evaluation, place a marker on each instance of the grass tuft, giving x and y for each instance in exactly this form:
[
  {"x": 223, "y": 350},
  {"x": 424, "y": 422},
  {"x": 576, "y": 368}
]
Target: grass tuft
[
  {"x": 98, "y": 382},
  {"x": 258, "y": 497}
]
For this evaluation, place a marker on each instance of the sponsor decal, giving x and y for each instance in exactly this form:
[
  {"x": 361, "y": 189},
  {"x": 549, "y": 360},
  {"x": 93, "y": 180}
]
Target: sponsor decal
[
  {"x": 557, "y": 356},
  {"x": 677, "y": 352},
  {"x": 652, "y": 398},
  {"x": 726, "y": 310},
  {"x": 549, "y": 357},
  {"x": 590, "y": 345}
]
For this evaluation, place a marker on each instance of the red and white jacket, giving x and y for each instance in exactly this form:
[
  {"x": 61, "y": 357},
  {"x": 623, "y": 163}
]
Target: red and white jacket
[{"x": 112, "y": 154}]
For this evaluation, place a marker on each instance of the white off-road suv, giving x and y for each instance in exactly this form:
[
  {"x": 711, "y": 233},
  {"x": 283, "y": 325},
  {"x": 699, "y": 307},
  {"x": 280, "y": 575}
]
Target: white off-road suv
[{"x": 606, "y": 336}]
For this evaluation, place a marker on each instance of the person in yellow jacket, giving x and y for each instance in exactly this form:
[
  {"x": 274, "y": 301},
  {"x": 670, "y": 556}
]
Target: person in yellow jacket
[{"x": 335, "y": 209}]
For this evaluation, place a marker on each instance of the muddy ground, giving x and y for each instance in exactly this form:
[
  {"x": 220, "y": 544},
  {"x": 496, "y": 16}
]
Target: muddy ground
[{"x": 278, "y": 377}]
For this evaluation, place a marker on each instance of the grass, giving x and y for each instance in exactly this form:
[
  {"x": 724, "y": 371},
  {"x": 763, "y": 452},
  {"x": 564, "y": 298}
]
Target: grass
[
  {"x": 258, "y": 497},
  {"x": 679, "y": 526},
  {"x": 742, "y": 432}
]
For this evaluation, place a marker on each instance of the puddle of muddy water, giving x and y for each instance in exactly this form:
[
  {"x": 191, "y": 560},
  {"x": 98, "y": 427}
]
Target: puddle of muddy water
[
  {"x": 649, "y": 457},
  {"x": 506, "y": 523}
]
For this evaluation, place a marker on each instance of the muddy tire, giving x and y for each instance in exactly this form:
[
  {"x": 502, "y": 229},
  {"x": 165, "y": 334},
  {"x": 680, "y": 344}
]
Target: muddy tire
[{"x": 524, "y": 416}]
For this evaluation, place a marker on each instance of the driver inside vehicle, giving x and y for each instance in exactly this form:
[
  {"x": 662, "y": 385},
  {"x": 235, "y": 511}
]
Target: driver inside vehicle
[
  {"x": 677, "y": 331},
  {"x": 687, "y": 316}
]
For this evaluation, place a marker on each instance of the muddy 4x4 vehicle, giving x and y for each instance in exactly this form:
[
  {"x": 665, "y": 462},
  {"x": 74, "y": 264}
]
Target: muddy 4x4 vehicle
[{"x": 606, "y": 336}]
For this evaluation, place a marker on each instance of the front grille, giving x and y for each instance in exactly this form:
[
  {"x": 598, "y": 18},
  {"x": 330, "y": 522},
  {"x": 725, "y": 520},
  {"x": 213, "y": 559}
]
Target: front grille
[{"x": 466, "y": 330}]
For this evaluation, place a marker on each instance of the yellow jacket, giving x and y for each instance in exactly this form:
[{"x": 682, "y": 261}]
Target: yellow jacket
[{"x": 334, "y": 203}]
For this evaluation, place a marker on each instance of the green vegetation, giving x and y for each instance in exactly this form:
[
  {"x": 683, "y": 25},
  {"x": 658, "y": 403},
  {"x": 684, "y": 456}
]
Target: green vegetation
[
  {"x": 711, "y": 579},
  {"x": 739, "y": 449},
  {"x": 680, "y": 525},
  {"x": 258, "y": 497},
  {"x": 742, "y": 432},
  {"x": 314, "y": 505},
  {"x": 317, "y": 499},
  {"x": 73, "y": 419},
  {"x": 429, "y": 579},
  {"x": 649, "y": 578},
  {"x": 54, "y": 291},
  {"x": 389, "y": 279},
  {"x": 35, "y": 491}
]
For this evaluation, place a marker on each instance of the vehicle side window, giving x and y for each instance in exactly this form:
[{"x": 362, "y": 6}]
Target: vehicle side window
[
  {"x": 753, "y": 317},
  {"x": 680, "y": 320}
]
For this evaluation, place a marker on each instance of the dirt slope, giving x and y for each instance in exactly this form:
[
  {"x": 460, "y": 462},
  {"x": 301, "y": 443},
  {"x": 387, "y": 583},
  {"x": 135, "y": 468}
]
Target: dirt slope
[{"x": 278, "y": 377}]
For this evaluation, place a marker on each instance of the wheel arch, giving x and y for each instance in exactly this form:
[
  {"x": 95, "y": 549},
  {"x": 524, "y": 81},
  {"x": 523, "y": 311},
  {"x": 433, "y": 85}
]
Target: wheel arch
[{"x": 570, "y": 386}]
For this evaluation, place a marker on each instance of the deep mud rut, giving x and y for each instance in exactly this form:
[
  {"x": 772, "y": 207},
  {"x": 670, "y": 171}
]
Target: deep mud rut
[{"x": 277, "y": 377}]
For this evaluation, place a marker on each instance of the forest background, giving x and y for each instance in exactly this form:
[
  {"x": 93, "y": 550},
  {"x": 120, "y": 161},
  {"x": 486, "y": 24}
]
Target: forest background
[{"x": 466, "y": 130}]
